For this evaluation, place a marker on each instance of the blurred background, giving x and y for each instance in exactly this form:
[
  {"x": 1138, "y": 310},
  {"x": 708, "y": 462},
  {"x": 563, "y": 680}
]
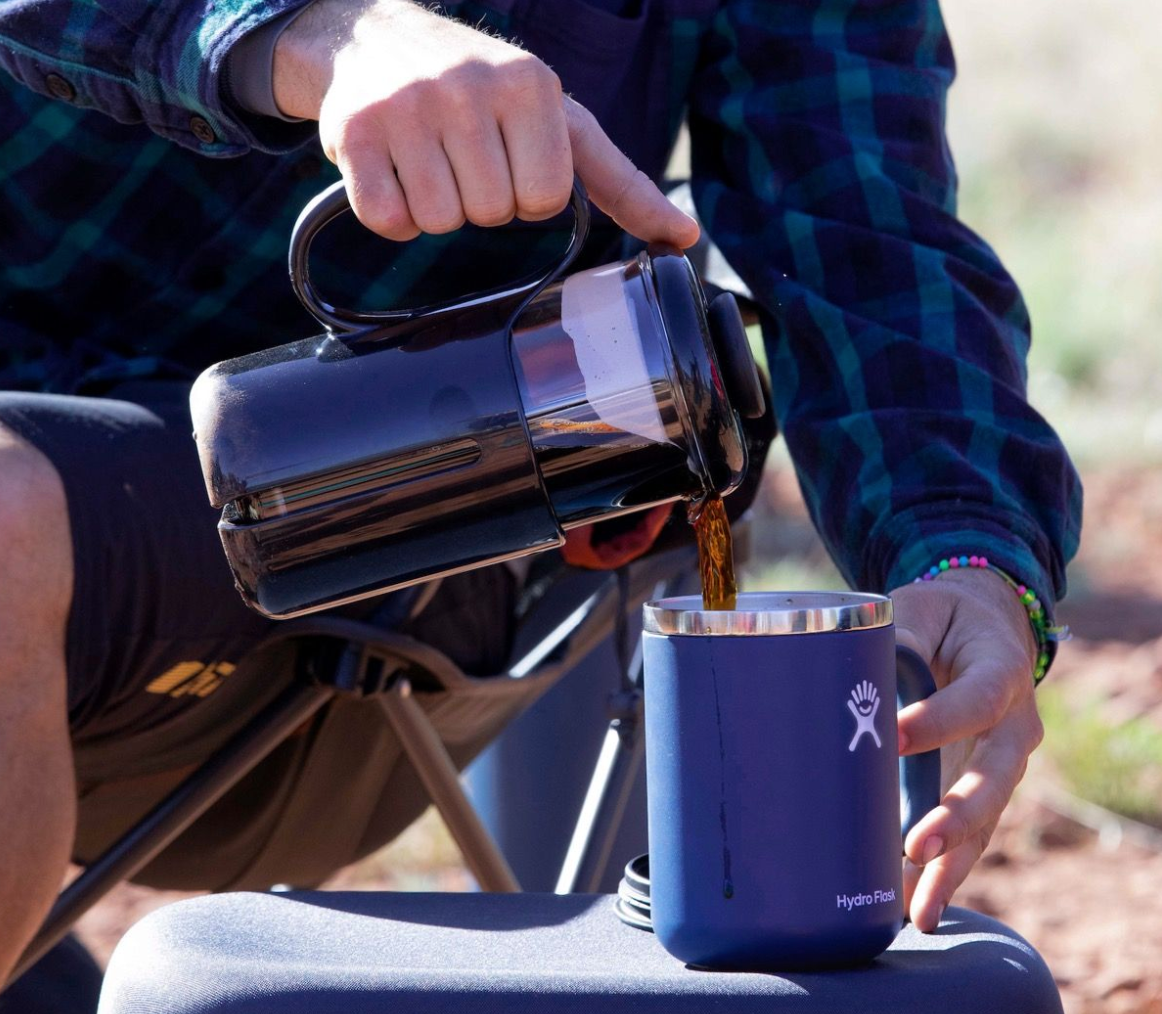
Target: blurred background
[{"x": 1056, "y": 124}]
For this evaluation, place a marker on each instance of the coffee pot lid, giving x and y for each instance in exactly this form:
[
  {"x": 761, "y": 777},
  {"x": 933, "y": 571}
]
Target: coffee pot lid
[{"x": 713, "y": 366}]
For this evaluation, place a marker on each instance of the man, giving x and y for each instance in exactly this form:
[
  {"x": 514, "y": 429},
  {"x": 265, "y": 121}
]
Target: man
[{"x": 896, "y": 340}]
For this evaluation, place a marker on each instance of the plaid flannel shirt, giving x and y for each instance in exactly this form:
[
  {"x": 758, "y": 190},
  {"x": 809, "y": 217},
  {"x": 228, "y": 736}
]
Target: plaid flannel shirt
[{"x": 896, "y": 339}]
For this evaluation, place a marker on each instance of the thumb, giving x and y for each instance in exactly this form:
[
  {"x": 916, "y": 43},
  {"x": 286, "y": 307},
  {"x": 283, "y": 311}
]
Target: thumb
[
  {"x": 622, "y": 191},
  {"x": 921, "y": 620}
]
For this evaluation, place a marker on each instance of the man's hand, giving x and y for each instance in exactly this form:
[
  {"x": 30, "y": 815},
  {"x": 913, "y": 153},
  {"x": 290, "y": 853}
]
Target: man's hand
[
  {"x": 976, "y": 633},
  {"x": 432, "y": 123}
]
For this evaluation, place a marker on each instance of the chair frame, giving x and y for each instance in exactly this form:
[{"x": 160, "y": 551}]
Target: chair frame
[{"x": 364, "y": 670}]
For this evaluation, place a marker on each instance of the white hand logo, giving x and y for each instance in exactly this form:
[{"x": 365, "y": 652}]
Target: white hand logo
[{"x": 864, "y": 703}]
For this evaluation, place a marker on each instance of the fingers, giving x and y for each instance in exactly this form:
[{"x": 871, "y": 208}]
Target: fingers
[
  {"x": 929, "y": 890},
  {"x": 433, "y": 124},
  {"x": 945, "y": 844},
  {"x": 480, "y": 166},
  {"x": 488, "y": 171},
  {"x": 621, "y": 190},
  {"x": 978, "y": 797},
  {"x": 974, "y": 703},
  {"x": 429, "y": 187},
  {"x": 376, "y": 196},
  {"x": 975, "y": 633},
  {"x": 536, "y": 140}
]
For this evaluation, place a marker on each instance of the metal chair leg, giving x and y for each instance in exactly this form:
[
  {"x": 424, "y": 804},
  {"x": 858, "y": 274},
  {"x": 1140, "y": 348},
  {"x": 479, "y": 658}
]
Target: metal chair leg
[{"x": 441, "y": 780}]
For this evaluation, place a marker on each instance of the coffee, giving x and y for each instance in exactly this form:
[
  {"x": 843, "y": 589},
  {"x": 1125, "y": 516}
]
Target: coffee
[{"x": 715, "y": 553}]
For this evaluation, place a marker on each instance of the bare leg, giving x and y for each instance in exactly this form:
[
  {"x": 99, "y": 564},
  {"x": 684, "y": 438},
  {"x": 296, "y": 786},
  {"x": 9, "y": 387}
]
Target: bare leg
[{"x": 37, "y": 791}]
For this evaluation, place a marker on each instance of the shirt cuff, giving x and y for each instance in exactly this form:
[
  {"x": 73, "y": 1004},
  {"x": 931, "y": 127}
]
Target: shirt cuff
[
  {"x": 248, "y": 70},
  {"x": 186, "y": 53},
  {"x": 916, "y": 539}
]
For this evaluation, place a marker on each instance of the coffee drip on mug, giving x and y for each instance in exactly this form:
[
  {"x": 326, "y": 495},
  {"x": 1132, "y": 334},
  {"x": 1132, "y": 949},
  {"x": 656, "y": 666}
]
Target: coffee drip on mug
[{"x": 404, "y": 445}]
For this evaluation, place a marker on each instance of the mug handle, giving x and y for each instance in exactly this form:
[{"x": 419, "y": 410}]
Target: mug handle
[
  {"x": 332, "y": 202},
  {"x": 919, "y": 773}
]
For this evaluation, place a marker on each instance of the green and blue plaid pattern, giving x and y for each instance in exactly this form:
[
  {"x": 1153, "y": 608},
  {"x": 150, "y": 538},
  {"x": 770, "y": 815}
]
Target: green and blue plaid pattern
[{"x": 897, "y": 341}]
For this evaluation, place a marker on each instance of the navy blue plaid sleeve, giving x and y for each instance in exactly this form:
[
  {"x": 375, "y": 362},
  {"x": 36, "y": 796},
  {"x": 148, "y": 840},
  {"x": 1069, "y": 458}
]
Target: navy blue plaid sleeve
[
  {"x": 896, "y": 339},
  {"x": 152, "y": 61}
]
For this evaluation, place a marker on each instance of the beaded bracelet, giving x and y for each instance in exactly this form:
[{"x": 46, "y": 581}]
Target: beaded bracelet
[{"x": 1043, "y": 633}]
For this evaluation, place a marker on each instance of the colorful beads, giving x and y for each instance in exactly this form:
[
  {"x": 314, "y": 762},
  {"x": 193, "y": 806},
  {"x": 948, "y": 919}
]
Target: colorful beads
[
  {"x": 954, "y": 563},
  {"x": 1033, "y": 606}
]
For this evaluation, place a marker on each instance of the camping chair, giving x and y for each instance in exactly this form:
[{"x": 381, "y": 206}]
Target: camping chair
[{"x": 571, "y": 613}]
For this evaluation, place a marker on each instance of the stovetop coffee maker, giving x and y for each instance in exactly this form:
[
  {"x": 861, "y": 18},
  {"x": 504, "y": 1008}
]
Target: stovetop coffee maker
[{"x": 403, "y": 445}]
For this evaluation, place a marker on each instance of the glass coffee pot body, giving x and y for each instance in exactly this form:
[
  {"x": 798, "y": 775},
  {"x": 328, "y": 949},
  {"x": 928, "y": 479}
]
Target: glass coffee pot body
[{"x": 405, "y": 445}]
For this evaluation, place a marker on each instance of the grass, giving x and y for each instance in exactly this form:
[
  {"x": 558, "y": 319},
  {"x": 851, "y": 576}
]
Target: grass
[{"x": 1118, "y": 767}]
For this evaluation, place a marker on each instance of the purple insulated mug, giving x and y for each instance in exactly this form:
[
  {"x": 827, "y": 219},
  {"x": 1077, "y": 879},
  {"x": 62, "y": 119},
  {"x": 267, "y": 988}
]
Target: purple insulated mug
[{"x": 775, "y": 803}]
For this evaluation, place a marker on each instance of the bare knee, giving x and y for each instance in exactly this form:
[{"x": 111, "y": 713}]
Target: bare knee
[{"x": 35, "y": 548}]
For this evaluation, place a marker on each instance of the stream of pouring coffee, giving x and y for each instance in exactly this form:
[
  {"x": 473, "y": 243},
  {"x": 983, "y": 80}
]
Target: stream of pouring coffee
[{"x": 715, "y": 554}]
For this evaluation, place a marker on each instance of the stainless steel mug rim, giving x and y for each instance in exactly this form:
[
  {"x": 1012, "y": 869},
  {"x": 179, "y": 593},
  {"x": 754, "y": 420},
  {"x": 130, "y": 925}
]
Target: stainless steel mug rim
[{"x": 767, "y": 613}]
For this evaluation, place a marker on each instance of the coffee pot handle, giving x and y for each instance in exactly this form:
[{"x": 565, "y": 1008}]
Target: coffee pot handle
[
  {"x": 919, "y": 773},
  {"x": 333, "y": 201}
]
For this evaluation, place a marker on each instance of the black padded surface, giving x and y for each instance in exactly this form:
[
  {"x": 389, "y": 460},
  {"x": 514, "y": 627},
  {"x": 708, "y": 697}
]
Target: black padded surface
[{"x": 360, "y": 953}]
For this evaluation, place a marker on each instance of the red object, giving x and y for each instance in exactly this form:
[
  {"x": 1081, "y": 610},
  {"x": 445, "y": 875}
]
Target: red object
[{"x": 586, "y": 547}]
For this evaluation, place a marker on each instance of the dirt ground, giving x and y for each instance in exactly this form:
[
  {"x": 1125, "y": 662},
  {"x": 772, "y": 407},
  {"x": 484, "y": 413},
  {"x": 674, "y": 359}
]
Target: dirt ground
[
  {"x": 1084, "y": 887},
  {"x": 1080, "y": 884}
]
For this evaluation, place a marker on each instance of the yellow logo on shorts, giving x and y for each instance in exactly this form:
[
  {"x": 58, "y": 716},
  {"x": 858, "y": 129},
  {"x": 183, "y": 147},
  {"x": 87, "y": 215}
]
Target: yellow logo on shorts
[{"x": 191, "y": 679}]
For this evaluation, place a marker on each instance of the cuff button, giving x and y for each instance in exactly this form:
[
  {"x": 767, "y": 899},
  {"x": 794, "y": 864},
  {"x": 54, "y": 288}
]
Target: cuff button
[
  {"x": 202, "y": 130},
  {"x": 60, "y": 88}
]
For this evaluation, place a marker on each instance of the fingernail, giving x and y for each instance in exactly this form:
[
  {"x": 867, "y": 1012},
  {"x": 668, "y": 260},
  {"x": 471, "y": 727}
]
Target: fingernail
[{"x": 932, "y": 848}]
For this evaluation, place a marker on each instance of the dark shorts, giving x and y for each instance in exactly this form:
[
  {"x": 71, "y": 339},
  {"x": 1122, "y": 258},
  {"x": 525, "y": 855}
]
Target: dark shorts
[{"x": 156, "y": 626}]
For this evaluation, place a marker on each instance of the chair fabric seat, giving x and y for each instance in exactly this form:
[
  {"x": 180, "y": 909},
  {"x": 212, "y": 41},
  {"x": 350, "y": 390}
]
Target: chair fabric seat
[{"x": 323, "y": 952}]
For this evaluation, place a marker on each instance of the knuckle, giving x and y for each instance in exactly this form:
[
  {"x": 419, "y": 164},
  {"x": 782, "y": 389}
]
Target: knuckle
[
  {"x": 932, "y": 727},
  {"x": 353, "y": 131},
  {"x": 992, "y": 701},
  {"x": 955, "y": 828},
  {"x": 407, "y": 106},
  {"x": 983, "y": 837},
  {"x": 390, "y": 221},
  {"x": 459, "y": 94},
  {"x": 633, "y": 182},
  {"x": 381, "y": 213},
  {"x": 471, "y": 132},
  {"x": 544, "y": 198},
  {"x": 438, "y": 221},
  {"x": 490, "y": 213},
  {"x": 528, "y": 77}
]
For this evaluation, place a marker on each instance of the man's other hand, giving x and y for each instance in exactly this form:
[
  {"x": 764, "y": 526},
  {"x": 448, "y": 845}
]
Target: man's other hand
[
  {"x": 974, "y": 630},
  {"x": 433, "y": 123}
]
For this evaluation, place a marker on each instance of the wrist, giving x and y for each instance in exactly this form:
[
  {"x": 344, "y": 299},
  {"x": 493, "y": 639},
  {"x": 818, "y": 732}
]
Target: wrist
[
  {"x": 300, "y": 69},
  {"x": 1026, "y": 609},
  {"x": 305, "y": 54}
]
